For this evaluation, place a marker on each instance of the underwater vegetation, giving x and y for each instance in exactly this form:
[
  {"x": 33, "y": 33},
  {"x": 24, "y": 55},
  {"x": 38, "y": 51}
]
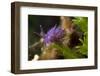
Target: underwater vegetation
[{"x": 67, "y": 39}]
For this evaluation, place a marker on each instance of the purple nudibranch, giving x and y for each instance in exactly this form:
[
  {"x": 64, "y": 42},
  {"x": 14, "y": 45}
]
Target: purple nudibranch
[{"x": 53, "y": 35}]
